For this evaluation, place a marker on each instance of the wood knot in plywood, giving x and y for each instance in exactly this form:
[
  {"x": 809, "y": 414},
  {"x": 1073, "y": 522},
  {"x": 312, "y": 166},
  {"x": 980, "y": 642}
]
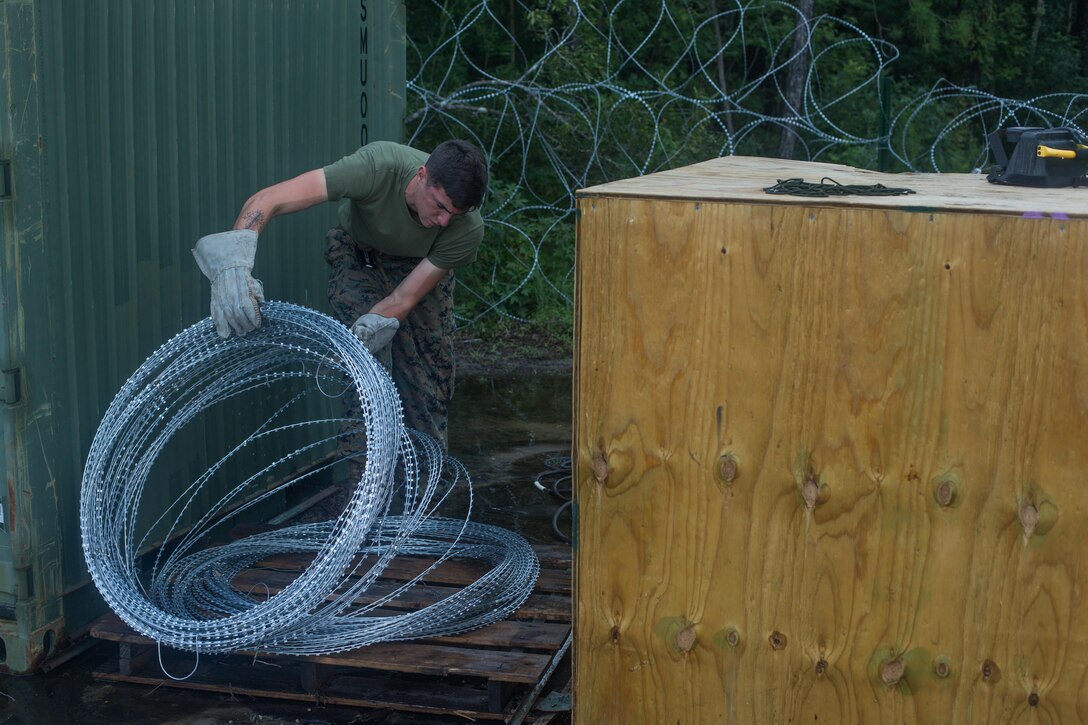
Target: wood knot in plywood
[
  {"x": 599, "y": 464},
  {"x": 778, "y": 640},
  {"x": 685, "y": 639},
  {"x": 942, "y": 667},
  {"x": 991, "y": 673},
  {"x": 821, "y": 666},
  {"x": 892, "y": 671},
  {"x": 947, "y": 489},
  {"x": 727, "y": 468},
  {"x": 1033, "y": 699},
  {"x": 732, "y": 637},
  {"x": 810, "y": 492},
  {"x": 1029, "y": 518}
]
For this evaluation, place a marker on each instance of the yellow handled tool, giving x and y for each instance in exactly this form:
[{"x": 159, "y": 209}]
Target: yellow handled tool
[
  {"x": 1046, "y": 152},
  {"x": 1046, "y": 158}
]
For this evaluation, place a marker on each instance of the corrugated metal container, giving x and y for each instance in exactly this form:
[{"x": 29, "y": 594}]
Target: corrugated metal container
[
  {"x": 132, "y": 128},
  {"x": 831, "y": 452}
]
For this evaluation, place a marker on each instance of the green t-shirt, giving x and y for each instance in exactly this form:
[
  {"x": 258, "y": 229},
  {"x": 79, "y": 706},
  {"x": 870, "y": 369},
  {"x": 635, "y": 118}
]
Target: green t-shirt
[{"x": 373, "y": 181}]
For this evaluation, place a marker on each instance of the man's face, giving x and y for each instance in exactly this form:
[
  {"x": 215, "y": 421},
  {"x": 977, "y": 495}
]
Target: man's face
[{"x": 432, "y": 204}]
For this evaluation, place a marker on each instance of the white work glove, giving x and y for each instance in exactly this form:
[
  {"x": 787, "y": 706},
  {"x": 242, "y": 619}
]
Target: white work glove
[
  {"x": 375, "y": 331},
  {"x": 227, "y": 260}
]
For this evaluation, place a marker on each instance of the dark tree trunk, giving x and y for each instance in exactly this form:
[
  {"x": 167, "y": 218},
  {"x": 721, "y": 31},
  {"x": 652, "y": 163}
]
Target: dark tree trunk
[
  {"x": 795, "y": 78},
  {"x": 1080, "y": 27},
  {"x": 722, "y": 86},
  {"x": 1040, "y": 10},
  {"x": 512, "y": 10}
]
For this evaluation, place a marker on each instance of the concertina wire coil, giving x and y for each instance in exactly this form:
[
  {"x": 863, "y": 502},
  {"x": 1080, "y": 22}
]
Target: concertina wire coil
[{"x": 187, "y": 597}]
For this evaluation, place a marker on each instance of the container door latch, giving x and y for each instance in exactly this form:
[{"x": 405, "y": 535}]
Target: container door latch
[
  {"x": 5, "y": 179},
  {"x": 11, "y": 387}
]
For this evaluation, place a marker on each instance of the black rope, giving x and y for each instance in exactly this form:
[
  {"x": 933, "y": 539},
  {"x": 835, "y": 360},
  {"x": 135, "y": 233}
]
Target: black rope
[{"x": 800, "y": 187}]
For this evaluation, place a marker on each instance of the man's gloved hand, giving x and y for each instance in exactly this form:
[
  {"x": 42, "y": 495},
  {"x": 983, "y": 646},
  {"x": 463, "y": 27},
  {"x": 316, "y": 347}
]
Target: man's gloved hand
[
  {"x": 375, "y": 331},
  {"x": 227, "y": 260}
]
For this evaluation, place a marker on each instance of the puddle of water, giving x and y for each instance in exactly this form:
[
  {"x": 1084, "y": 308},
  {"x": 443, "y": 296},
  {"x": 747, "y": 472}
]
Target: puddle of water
[{"x": 507, "y": 432}]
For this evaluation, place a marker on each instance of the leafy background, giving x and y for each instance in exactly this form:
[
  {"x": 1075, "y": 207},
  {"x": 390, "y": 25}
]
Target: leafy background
[{"x": 562, "y": 95}]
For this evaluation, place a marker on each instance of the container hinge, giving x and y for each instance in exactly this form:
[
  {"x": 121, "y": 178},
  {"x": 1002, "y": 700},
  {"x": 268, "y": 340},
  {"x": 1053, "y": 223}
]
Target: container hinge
[
  {"x": 11, "y": 386},
  {"x": 5, "y": 179}
]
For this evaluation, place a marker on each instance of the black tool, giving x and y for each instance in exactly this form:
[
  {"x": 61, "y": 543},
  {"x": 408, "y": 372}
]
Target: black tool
[{"x": 1041, "y": 157}]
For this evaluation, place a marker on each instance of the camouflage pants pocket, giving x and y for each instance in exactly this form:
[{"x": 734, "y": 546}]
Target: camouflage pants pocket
[{"x": 422, "y": 349}]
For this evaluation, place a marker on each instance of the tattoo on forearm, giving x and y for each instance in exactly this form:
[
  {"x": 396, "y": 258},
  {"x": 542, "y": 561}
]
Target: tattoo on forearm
[{"x": 254, "y": 220}]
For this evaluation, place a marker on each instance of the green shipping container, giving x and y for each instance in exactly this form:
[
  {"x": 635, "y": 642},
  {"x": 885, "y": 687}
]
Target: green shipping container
[{"x": 132, "y": 128}]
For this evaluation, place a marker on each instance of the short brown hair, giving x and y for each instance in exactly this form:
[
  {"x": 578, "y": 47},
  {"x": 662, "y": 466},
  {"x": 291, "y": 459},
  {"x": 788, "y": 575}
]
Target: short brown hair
[{"x": 461, "y": 170}]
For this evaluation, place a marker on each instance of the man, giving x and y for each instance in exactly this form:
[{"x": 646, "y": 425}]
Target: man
[{"x": 408, "y": 220}]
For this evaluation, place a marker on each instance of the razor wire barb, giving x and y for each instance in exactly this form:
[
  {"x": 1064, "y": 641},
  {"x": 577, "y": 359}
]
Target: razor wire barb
[
  {"x": 579, "y": 104},
  {"x": 189, "y": 595}
]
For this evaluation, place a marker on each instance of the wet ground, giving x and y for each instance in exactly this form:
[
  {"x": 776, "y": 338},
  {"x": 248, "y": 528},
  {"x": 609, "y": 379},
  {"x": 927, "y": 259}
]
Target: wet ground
[{"x": 512, "y": 433}]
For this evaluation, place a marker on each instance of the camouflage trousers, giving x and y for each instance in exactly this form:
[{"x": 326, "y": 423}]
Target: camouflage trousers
[{"x": 422, "y": 350}]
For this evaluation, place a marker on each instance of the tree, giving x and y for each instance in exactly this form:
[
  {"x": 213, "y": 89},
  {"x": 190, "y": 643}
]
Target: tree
[{"x": 793, "y": 96}]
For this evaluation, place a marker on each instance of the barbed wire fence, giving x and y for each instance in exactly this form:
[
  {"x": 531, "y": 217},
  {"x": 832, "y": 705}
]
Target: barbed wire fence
[{"x": 582, "y": 104}]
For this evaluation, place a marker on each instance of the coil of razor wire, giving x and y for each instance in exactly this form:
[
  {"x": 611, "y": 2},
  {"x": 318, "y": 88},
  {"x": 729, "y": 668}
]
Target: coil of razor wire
[{"x": 187, "y": 596}]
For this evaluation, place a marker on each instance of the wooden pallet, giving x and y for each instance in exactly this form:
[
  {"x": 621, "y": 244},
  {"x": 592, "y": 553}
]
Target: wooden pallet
[{"x": 487, "y": 674}]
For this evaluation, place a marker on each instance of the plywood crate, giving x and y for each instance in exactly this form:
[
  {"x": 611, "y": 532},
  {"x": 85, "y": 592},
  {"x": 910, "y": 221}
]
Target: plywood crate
[{"x": 831, "y": 453}]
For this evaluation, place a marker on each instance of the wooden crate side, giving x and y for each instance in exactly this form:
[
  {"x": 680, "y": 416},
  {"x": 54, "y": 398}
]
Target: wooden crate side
[{"x": 901, "y": 396}]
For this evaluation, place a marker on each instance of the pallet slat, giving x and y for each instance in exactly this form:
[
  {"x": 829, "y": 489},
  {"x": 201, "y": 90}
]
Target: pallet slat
[
  {"x": 524, "y": 635},
  {"x": 235, "y": 677},
  {"x": 550, "y": 607},
  {"x": 557, "y": 556},
  {"x": 412, "y": 656},
  {"x": 453, "y": 572},
  {"x": 479, "y": 675}
]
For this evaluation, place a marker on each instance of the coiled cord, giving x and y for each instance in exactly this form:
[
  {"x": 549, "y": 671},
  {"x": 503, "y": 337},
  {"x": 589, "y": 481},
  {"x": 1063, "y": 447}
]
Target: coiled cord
[{"x": 560, "y": 476}]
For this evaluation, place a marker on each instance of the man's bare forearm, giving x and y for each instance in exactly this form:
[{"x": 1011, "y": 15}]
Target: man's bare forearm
[
  {"x": 419, "y": 282},
  {"x": 254, "y": 219},
  {"x": 393, "y": 306},
  {"x": 301, "y": 192}
]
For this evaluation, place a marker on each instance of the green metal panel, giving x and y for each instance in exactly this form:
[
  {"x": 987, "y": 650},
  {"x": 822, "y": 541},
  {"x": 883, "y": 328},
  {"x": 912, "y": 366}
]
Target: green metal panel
[{"x": 133, "y": 128}]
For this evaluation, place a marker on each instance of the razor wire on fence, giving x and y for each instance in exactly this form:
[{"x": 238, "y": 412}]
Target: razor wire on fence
[{"x": 580, "y": 99}]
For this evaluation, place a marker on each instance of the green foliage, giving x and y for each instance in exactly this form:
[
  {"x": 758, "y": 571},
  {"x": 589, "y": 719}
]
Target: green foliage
[
  {"x": 523, "y": 269},
  {"x": 563, "y": 95},
  {"x": 983, "y": 43}
]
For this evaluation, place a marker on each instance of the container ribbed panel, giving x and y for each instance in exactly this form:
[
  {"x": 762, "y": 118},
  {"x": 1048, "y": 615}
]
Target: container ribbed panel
[{"x": 137, "y": 126}]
